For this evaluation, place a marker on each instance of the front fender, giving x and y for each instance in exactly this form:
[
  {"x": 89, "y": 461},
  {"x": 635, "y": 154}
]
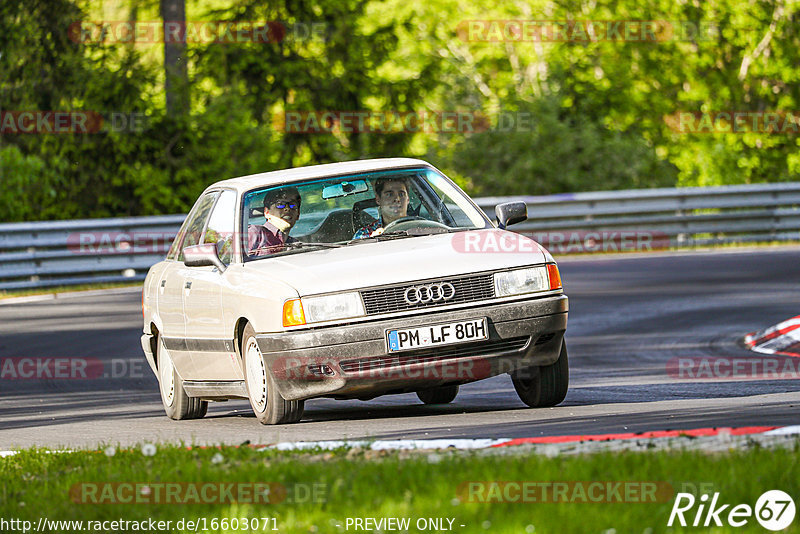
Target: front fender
[{"x": 248, "y": 294}]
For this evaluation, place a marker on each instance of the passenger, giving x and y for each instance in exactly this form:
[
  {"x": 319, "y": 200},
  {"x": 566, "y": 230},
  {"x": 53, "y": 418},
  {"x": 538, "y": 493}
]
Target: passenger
[
  {"x": 281, "y": 210},
  {"x": 391, "y": 194}
]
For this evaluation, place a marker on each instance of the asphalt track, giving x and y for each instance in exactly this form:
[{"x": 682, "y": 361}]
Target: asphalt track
[{"x": 630, "y": 316}]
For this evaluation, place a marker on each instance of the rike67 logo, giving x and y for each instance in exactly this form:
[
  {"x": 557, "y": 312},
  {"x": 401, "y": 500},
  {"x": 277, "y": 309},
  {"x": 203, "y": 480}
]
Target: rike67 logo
[{"x": 774, "y": 510}]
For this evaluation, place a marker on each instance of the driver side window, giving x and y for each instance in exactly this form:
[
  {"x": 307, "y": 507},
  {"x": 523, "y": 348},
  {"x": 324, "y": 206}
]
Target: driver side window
[
  {"x": 221, "y": 226},
  {"x": 197, "y": 222}
]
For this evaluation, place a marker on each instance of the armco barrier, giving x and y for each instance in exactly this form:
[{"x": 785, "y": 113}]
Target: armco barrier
[
  {"x": 41, "y": 254},
  {"x": 677, "y": 217}
]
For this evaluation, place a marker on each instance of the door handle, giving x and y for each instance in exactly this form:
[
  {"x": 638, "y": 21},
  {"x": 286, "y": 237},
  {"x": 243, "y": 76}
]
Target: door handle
[
  {"x": 163, "y": 282},
  {"x": 188, "y": 284}
]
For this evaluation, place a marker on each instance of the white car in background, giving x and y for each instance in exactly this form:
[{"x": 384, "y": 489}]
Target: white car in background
[{"x": 417, "y": 307}]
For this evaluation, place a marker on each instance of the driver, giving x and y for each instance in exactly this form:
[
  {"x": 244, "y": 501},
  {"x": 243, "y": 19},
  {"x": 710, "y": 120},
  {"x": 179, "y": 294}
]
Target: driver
[{"x": 391, "y": 195}]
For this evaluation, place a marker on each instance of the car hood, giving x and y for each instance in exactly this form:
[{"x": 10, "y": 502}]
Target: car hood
[{"x": 402, "y": 260}]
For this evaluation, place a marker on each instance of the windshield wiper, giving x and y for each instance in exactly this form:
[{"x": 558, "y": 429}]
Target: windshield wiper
[
  {"x": 294, "y": 245},
  {"x": 433, "y": 230},
  {"x": 383, "y": 237},
  {"x": 414, "y": 232},
  {"x": 302, "y": 244}
]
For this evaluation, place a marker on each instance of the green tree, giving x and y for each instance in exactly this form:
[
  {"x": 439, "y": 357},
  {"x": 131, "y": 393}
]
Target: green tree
[{"x": 330, "y": 59}]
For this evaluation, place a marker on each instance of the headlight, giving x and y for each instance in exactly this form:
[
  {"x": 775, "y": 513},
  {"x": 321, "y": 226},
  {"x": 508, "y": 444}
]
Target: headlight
[
  {"x": 332, "y": 307},
  {"x": 521, "y": 281}
]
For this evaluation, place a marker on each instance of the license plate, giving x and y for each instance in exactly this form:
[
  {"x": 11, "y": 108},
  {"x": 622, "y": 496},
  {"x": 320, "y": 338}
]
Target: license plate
[{"x": 437, "y": 335}]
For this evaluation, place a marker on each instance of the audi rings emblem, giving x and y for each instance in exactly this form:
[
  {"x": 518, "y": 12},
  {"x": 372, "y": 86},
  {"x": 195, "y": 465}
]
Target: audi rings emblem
[{"x": 429, "y": 293}]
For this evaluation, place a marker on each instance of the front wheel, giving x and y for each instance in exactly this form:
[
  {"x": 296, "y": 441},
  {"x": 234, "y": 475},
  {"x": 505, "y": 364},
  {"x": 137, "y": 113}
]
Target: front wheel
[
  {"x": 270, "y": 408},
  {"x": 545, "y": 385},
  {"x": 177, "y": 403}
]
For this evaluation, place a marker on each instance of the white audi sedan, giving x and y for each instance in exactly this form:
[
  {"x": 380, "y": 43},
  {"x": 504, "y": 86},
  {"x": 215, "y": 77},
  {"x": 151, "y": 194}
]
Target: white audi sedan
[{"x": 350, "y": 280}]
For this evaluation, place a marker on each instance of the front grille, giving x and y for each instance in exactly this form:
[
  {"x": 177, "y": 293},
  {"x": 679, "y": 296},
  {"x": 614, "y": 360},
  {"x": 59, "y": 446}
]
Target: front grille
[
  {"x": 390, "y": 299},
  {"x": 481, "y": 348}
]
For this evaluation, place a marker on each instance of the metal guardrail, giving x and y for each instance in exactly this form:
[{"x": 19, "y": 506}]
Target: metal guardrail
[
  {"x": 41, "y": 254},
  {"x": 669, "y": 217}
]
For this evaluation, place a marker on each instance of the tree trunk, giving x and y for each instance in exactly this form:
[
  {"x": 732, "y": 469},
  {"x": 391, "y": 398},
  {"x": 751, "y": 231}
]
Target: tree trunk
[{"x": 173, "y": 13}]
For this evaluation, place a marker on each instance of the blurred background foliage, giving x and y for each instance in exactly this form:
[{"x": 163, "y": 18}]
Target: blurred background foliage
[{"x": 563, "y": 116}]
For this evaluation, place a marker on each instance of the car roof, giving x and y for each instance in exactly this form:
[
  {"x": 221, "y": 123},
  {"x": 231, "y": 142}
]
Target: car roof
[{"x": 246, "y": 183}]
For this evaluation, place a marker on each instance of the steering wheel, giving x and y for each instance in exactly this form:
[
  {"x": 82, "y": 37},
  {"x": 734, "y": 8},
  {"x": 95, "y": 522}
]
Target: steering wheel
[{"x": 404, "y": 223}]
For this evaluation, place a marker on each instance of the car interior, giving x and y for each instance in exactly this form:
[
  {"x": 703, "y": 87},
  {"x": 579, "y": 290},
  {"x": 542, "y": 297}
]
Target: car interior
[{"x": 331, "y": 224}]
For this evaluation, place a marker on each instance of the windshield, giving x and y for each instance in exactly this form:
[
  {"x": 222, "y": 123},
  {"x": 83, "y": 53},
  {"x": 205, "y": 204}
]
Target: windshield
[{"x": 348, "y": 210}]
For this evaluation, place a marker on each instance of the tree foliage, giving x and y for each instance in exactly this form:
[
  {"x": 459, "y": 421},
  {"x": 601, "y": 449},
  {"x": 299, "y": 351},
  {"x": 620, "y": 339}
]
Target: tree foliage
[{"x": 599, "y": 111}]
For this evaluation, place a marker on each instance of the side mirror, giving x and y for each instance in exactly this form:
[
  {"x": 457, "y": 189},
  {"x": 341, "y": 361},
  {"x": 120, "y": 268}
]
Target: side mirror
[
  {"x": 203, "y": 256},
  {"x": 510, "y": 213}
]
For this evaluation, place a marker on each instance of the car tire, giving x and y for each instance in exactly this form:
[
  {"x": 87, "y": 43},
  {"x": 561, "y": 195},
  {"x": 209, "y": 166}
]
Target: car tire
[
  {"x": 546, "y": 385},
  {"x": 177, "y": 403},
  {"x": 268, "y": 405},
  {"x": 440, "y": 395}
]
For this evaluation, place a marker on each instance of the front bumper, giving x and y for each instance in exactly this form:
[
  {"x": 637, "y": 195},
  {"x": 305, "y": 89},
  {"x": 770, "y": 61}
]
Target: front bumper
[
  {"x": 147, "y": 347},
  {"x": 353, "y": 361}
]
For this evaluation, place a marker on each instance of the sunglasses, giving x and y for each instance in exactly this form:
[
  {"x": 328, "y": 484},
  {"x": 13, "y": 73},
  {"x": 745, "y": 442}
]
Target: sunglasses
[{"x": 290, "y": 205}]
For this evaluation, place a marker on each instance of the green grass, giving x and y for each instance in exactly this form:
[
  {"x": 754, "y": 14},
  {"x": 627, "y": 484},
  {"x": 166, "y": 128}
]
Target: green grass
[
  {"x": 11, "y": 293},
  {"x": 383, "y": 484}
]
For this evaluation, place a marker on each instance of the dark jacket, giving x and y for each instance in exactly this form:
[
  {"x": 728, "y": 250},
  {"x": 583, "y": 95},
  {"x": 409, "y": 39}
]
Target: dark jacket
[{"x": 265, "y": 239}]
